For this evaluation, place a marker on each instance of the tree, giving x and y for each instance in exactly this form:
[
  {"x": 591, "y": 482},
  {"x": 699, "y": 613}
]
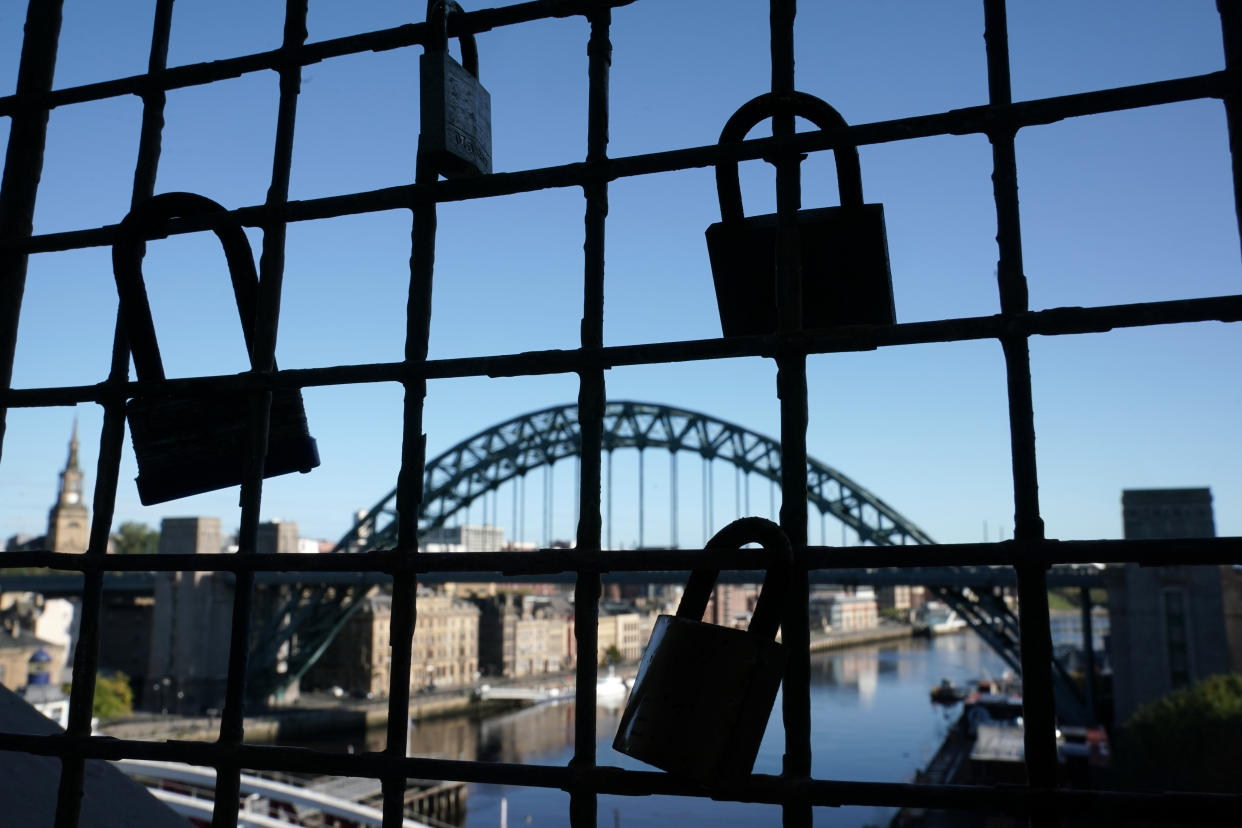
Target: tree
[
  {"x": 133, "y": 538},
  {"x": 1189, "y": 740},
  {"x": 113, "y": 696},
  {"x": 612, "y": 655}
]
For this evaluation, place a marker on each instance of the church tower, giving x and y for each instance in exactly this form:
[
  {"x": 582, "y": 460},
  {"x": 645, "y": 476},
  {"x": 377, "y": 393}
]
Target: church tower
[{"x": 68, "y": 524}]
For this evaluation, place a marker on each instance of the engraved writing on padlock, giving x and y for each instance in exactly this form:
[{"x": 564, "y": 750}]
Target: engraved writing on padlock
[
  {"x": 703, "y": 694},
  {"x": 192, "y": 445},
  {"x": 844, "y": 250},
  {"x": 455, "y": 133}
]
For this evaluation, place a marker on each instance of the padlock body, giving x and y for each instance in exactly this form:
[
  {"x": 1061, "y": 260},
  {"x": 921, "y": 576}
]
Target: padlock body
[
  {"x": 193, "y": 445},
  {"x": 456, "y": 111},
  {"x": 845, "y": 271},
  {"x": 701, "y": 700}
]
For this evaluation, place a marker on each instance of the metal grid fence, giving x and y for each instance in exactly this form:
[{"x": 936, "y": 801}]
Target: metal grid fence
[{"x": 1029, "y": 554}]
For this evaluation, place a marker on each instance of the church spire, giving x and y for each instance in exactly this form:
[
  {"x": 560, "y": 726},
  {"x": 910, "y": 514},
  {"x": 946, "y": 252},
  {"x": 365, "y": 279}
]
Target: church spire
[
  {"x": 68, "y": 522},
  {"x": 72, "y": 465}
]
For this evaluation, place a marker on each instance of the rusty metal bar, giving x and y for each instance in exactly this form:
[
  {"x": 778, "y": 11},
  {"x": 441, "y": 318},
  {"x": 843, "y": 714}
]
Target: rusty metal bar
[
  {"x": 410, "y": 477},
  {"x": 1205, "y": 551},
  {"x": 111, "y": 440},
  {"x": 1219, "y": 551},
  {"x": 23, "y": 166},
  {"x": 1231, "y": 32},
  {"x": 792, "y": 391},
  {"x": 1036, "y": 642},
  {"x": 973, "y": 120},
  {"x": 1052, "y": 322},
  {"x": 410, "y": 34},
  {"x": 583, "y": 802},
  {"x": 1173, "y": 807},
  {"x": 266, "y": 324}
]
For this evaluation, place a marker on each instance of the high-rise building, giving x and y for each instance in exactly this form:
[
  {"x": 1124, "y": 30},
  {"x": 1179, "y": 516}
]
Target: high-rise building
[
  {"x": 191, "y": 623},
  {"x": 1170, "y": 626},
  {"x": 68, "y": 523}
]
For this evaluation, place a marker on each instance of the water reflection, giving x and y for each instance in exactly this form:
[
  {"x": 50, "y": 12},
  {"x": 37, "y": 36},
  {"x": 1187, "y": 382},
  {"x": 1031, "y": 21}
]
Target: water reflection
[{"x": 871, "y": 720}]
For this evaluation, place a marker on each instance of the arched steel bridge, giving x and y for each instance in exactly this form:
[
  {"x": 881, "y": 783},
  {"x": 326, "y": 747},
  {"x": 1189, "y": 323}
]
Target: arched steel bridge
[{"x": 303, "y": 622}]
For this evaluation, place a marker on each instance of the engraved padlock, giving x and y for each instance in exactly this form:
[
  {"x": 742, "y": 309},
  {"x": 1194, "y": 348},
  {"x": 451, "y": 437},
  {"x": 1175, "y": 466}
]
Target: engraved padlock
[
  {"x": 844, "y": 250},
  {"x": 703, "y": 694},
  {"x": 455, "y": 134},
  {"x": 190, "y": 445}
]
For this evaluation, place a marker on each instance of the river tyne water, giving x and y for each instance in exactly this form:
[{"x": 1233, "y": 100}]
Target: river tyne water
[{"x": 872, "y": 720}]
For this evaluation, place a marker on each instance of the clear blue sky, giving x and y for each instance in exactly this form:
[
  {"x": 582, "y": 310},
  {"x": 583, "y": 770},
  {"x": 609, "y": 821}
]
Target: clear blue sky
[{"x": 1127, "y": 207}]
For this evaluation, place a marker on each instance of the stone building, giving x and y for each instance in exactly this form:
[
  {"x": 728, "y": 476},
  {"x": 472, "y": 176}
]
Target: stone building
[
  {"x": 730, "y": 605},
  {"x": 444, "y": 653},
  {"x": 627, "y": 631},
  {"x": 522, "y": 635},
  {"x": 900, "y": 597},
  {"x": 463, "y": 539},
  {"x": 841, "y": 611},
  {"x": 278, "y": 537},
  {"x": 191, "y": 623},
  {"x": 1170, "y": 625}
]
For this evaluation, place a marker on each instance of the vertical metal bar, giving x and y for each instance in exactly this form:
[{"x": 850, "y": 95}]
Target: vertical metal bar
[
  {"x": 404, "y": 615},
  {"x": 410, "y": 485},
  {"x": 1038, "y": 703},
  {"x": 1088, "y": 643},
  {"x": 112, "y": 436},
  {"x": 23, "y": 166},
  {"x": 642, "y": 485},
  {"x": 583, "y": 803},
  {"x": 1231, "y": 31},
  {"x": 791, "y": 388},
  {"x": 610, "y": 546},
  {"x": 266, "y": 324},
  {"x": 672, "y": 499}
]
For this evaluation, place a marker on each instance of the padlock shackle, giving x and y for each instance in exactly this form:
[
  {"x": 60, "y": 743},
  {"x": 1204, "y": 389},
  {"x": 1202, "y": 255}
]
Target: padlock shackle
[
  {"x": 148, "y": 220},
  {"x": 818, "y": 112},
  {"x": 766, "y": 618},
  {"x": 438, "y": 12}
]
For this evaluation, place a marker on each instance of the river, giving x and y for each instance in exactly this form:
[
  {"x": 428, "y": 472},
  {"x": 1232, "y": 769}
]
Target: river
[{"x": 871, "y": 720}]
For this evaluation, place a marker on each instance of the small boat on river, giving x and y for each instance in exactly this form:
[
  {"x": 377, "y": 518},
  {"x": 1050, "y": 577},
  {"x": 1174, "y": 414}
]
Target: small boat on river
[{"x": 947, "y": 693}]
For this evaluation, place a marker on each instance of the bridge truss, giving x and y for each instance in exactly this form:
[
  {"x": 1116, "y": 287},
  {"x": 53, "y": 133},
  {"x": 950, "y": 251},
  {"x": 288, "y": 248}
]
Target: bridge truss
[{"x": 301, "y": 622}]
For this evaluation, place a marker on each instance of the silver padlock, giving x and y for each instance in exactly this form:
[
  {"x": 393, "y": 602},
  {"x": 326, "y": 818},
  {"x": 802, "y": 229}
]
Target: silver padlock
[
  {"x": 455, "y": 134},
  {"x": 703, "y": 695}
]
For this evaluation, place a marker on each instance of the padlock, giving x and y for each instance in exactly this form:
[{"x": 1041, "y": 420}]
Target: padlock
[
  {"x": 455, "y": 134},
  {"x": 187, "y": 446},
  {"x": 844, "y": 250},
  {"x": 703, "y": 694}
]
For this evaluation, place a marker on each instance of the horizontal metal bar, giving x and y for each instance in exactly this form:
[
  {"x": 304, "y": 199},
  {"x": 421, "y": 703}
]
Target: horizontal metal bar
[
  {"x": 1051, "y": 322},
  {"x": 1188, "y": 552},
  {"x": 197, "y": 74},
  {"x": 1016, "y": 800},
  {"x": 955, "y": 122}
]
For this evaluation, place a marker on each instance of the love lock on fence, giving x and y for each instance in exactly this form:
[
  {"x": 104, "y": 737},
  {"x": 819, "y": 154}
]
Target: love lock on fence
[
  {"x": 191, "y": 445},
  {"x": 703, "y": 695},
  {"x": 843, "y": 250},
  {"x": 455, "y": 111}
]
